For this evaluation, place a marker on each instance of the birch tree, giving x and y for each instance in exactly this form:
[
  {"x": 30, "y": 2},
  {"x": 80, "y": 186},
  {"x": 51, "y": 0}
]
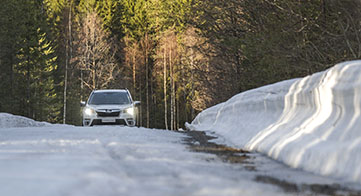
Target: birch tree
[
  {"x": 95, "y": 55},
  {"x": 167, "y": 62}
]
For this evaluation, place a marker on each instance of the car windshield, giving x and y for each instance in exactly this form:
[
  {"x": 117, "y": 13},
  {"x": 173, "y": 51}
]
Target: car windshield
[{"x": 109, "y": 98}]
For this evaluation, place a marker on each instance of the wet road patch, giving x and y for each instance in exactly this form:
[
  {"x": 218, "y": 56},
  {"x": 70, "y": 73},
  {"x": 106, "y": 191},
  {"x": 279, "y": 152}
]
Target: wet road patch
[{"x": 198, "y": 141}]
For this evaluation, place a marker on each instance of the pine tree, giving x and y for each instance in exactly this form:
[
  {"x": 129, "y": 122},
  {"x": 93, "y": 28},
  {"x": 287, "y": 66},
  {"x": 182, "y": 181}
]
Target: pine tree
[
  {"x": 31, "y": 62},
  {"x": 9, "y": 34}
]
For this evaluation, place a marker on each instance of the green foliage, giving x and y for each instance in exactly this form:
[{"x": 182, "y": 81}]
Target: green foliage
[
  {"x": 107, "y": 11},
  {"x": 210, "y": 50},
  {"x": 170, "y": 14},
  {"x": 88, "y": 6},
  {"x": 32, "y": 63},
  {"x": 133, "y": 18}
]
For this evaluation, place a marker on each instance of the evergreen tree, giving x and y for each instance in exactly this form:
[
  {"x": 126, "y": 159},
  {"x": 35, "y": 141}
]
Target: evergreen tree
[{"x": 32, "y": 62}]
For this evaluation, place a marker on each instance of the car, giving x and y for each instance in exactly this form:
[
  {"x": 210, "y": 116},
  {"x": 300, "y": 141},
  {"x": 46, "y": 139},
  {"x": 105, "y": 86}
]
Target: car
[{"x": 110, "y": 107}]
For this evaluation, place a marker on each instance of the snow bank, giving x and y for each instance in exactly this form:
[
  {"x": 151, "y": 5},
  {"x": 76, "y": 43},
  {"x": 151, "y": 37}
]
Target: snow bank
[
  {"x": 313, "y": 123},
  {"x": 9, "y": 120}
]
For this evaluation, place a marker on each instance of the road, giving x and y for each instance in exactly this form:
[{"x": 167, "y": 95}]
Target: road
[{"x": 113, "y": 160}]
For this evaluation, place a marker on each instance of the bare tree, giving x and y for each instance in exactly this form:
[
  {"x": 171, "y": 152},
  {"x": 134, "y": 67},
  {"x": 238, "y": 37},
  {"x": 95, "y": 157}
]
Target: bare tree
[
  {"x": 167, "y": 60},
  {"x": 133, "y": 60},
  {"x": 95, "y": 53},
  {"x": 146, "y": 47}
]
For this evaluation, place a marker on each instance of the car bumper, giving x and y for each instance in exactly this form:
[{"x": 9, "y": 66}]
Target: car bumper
[{"x": 108, "y": 121}]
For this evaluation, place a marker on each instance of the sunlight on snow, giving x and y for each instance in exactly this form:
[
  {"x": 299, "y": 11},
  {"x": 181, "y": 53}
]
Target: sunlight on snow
[{"x": 310, "y": 123}]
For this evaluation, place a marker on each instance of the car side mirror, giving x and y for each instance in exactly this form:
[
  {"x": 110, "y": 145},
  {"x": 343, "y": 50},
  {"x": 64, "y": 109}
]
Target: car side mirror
[
  {"x": 82, "y": 103},
  {"x": 137, "y": 103}
]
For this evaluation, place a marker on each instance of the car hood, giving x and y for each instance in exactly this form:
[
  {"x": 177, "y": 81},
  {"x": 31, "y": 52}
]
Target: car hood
[{"x": 110, "y": 107}]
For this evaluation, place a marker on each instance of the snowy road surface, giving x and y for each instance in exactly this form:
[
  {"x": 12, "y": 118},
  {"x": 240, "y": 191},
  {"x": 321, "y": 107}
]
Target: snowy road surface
[{"x": 112, "y": 160}]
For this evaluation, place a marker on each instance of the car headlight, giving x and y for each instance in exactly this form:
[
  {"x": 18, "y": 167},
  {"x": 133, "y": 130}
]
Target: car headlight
[
  {"x": 130, "y": 111},
  {"x": 89, "y": 111}
]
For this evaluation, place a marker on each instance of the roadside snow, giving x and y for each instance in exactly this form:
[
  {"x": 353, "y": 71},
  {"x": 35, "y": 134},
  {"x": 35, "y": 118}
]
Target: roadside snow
[
  {"x": 311, "y": 123},
  {"x": 9, "y": 120}
]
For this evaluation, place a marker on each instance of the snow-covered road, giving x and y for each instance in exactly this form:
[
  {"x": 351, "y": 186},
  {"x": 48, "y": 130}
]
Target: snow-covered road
[
  {"x": 110, "y": 161},
  {"x": 113, "y": 160}
]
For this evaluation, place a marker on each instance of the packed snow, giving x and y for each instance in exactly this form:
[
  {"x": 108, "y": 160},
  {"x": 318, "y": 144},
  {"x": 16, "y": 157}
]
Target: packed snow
[
  {"x": 114, "y": 160},
  {"x": 9, "y": 120},
  {"x": 312, "y": 123}
]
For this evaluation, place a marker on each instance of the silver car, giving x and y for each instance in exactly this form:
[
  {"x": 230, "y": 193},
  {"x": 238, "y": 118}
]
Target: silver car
[{"x": 110, "y": 107}]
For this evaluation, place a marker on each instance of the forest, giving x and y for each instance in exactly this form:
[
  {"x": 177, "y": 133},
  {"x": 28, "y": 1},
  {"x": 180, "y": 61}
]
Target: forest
[{"x": 177, "y": 57}]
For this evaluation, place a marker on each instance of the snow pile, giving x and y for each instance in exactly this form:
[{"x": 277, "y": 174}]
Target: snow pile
[
  {"x": 9, "y": 120},
  {"x": 312, "y": 123}
]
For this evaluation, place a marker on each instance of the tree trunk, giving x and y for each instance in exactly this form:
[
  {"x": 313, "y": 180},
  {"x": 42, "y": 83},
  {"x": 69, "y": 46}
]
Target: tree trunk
[
  {"x": 165, "y": 88},
  {"x": 65, "y": 82},
  {"x": 141, "y": 107},
  {"x": 134, "y": 67},
  {"x": 81, "y": 85},
  {"x": 12, "y": 78},
  {"x": 28, "y": 87},
  {"x": 147, "y": 78},
  {"x": 94, "y": 76},
  {"x": 192, "y": 84},
  {"x": 177, "y": 112},
  {"x": 67, "y": 60},
  {"x": 171, "y": 97},
  {"x": 174, "y": 103},
  {"x": 134, "y": 70}
]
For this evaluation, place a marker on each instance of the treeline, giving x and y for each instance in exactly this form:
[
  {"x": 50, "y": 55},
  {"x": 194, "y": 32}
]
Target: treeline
[{"x": 177, "y": 57}]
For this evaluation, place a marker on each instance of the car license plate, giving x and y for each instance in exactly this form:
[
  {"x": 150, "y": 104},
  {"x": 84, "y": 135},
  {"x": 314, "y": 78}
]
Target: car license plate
[{"x": 108, "y": 120}]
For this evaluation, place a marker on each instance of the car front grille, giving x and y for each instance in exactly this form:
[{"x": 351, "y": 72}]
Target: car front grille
[
  {"x": 108, "y": 114},
  {"x": 117, "y": 122}
]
